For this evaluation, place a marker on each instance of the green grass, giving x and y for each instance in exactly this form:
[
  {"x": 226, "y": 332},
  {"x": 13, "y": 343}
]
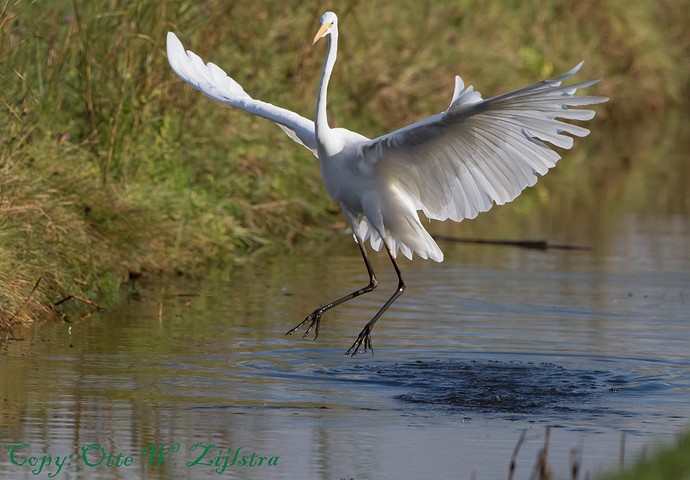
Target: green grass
[
  {"x": 111, "y": 166},
  {"x": 669, "y": 463}
]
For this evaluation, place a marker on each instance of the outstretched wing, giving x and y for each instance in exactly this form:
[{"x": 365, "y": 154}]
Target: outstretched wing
[
  {"x": 479, "y": 152},
  {"x": 215, "y": 83}
]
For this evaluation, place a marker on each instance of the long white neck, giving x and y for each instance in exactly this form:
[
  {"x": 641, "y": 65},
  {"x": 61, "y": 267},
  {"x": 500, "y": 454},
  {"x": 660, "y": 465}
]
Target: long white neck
[{"x": 321, "y": 118}]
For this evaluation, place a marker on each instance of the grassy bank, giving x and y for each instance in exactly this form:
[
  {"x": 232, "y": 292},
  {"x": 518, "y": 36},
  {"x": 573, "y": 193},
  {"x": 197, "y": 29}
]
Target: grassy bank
[
  {"x": 668, "y": 463},
  {"x": 110, "y": 167}
]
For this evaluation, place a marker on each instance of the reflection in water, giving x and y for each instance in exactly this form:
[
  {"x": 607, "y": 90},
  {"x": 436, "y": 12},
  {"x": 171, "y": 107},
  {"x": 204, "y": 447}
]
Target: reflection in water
[{"x": 493, "y": 341}]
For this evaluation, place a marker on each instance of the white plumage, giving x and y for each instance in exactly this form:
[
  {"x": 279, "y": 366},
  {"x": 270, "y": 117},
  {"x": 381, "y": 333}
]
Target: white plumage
[{"x": 452, "y": 165}]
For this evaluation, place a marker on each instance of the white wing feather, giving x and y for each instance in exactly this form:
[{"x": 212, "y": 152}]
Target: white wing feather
[
  {"x": 216, "y": 84},
  {"x": 479, "y": 152}
]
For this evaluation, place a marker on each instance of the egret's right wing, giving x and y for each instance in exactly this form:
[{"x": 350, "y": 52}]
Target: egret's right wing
[
  {"x": 478, "y": 153},
  {"x": 216, "y": 84}
]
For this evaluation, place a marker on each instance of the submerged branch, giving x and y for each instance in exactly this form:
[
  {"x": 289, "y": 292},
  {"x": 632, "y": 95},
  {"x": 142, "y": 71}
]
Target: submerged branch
[
  {"x": 531, "y": 244},
  {"x": 80, "y": 299}
]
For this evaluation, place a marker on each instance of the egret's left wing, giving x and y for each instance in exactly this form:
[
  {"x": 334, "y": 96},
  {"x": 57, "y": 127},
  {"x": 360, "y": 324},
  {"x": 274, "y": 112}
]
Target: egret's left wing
[
  {"x": 479, "y": 152},
  {"x": 212, "y": 80}
]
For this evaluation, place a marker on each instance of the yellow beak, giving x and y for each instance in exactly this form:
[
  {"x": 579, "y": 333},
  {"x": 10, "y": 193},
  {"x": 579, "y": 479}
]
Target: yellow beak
[{"x": 320, "y": 33}]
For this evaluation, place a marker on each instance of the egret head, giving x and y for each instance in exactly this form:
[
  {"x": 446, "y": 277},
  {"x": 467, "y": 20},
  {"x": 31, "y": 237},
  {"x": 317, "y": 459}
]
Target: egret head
[{"x": 329, "y": 24}]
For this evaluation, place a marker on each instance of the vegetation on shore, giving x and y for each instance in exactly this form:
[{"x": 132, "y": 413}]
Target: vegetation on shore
[
  {"x": 111, "y": 167},
  {"x": 668, "y": 463},
  {"x": 665, "y": 463}
]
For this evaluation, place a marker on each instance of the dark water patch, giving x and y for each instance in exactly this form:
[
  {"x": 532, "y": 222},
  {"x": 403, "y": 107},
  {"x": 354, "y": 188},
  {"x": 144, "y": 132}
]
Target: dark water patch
[
  {"x": 571, "y": 389},
  {"x": 502, "y": 387}
]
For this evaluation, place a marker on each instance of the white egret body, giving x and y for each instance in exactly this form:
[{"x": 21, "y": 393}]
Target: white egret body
[{"x": 452, "y": 165}]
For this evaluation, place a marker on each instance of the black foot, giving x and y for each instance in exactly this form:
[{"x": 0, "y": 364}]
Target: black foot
[
  {"x": 315, "y": 319},
  {"x": 363, "y": 340}
]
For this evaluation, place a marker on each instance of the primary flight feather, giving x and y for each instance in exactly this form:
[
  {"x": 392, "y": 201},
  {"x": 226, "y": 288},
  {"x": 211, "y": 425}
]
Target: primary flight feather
[{"x": 452, "y": 165}]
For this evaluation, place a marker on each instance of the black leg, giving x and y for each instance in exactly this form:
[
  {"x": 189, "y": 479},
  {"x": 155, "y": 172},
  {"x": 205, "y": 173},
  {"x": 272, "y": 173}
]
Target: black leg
[
  {"x": 364, "y": 338},
  {"x": 315, "y": 317}
]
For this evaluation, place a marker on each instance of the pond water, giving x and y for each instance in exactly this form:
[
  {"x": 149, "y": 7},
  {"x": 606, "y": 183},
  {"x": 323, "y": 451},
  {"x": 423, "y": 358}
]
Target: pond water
[{"x": 197, "y": 379}]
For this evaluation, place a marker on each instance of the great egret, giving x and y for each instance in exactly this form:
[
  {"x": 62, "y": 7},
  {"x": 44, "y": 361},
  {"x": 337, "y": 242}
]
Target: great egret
[{"x": 451, "y": 165}]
